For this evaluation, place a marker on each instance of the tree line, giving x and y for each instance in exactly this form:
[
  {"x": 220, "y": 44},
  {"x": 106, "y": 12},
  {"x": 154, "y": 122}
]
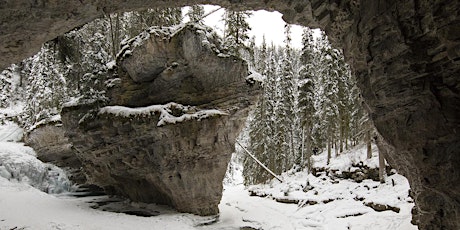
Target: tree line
[{"x": 310, "y": 103}]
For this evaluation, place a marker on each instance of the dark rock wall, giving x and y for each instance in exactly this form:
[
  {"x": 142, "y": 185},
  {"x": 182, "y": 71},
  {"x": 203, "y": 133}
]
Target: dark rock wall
[
  {"x": 404, "y": 53},
  {"x": 411, "y": 57}
]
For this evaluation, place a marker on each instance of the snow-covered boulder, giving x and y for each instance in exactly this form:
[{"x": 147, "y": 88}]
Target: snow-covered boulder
[{"x": 169, "y": 129}]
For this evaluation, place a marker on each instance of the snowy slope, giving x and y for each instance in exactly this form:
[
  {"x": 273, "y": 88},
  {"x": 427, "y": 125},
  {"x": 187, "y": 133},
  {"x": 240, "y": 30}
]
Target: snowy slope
[
  {"x": 330, "y": 203},
  {"x": 10, "y": 132},
  {"x": 19, "y": 163},
  {"x": 25, "y": 207}
]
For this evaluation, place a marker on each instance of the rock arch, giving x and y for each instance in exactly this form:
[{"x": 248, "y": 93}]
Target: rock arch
[{"x": 406, "y": 55}]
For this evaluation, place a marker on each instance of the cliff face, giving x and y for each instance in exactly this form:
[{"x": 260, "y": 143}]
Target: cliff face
[
  {"x": 405, "y": 55},
  {"x": 177, "y": 106}
]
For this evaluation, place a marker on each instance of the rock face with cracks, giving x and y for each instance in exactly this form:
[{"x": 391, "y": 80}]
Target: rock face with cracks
[
  {"x": 169, "y": 130},
  {"x": 405, "y": 54}
]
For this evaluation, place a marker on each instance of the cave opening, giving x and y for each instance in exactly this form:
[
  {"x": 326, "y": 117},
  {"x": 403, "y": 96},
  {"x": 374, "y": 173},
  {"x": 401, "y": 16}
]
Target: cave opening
[{"x": 378, "y": 41}]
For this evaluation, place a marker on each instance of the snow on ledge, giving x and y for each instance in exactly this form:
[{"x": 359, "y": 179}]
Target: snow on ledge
[{"x": 165, "y": 111}]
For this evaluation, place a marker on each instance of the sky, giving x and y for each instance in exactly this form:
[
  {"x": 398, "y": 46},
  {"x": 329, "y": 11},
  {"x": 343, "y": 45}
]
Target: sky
[{"x": 262, "y": 23}]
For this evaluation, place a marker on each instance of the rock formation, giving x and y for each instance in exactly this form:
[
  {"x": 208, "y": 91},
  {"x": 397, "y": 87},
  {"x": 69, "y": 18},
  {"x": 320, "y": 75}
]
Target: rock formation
[
  {"x": 52, "y": 146},
  {"x": 177, "y": 106},
  {"x": 405, "y": 55}
]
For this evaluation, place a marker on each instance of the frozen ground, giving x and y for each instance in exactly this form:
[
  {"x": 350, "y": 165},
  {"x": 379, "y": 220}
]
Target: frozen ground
[{"x": 340, "y": 203}]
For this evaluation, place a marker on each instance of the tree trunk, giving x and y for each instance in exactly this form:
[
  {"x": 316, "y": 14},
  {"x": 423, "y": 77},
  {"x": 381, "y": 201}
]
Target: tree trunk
[
  {"x": 383, "y": 151},
  {"x": 114, "y": 32},
  {"x": 308, "y": 147},
  {"x": 292, "y": 149},
  {"x": 347, "y": 136},
  {"x": 341, "y": 137},
  {"x": 368, "y": 143},
  {"x": 303, "y": 147},
  {"x": 329, "y": 143},
  {"x": 382, "y": 172},
  {"x": 336, "y": 148}
]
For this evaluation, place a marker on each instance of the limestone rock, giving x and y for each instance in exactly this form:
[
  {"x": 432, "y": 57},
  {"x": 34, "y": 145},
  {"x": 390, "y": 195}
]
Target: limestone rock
[{"x": 144, "y": 148}]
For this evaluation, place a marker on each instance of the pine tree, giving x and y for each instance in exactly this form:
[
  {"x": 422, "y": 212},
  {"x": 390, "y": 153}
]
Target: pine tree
[
  {"x": 86, "y": 52},
  {"x": 196, "y": 13},
  {"x": 260, "y": 57},
  {"x": 287, "y": 114},
  {"x": 6, "y": 87},
  {"x": 46, "y": 88},
  {"x": 253, "y": 172},
  {"x": 262, "y": 134},
  {"x": 307, "y": 94},
  {"x": 236, "y": 30},
  {"x": 327, "y": 91}
]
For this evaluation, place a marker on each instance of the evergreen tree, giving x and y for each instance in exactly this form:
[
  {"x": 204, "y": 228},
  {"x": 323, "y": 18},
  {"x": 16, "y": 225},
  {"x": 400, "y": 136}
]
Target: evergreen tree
[
  {"x": 307, "y": 94},
  {"x": 6, "y": 86},
  {"x": 262, "y": 128},
  {"x": 196, "y": 13},
  {"x": 236, "y": 30},
  {"x": 85, "y": 53},
  {"x": 328, "y": 101},
  {"x": 46, "y": 88},
  {"x": 286, "y": 114},
  {"x": 260, "y": 63},
  {"x": 258, "y": 128}
]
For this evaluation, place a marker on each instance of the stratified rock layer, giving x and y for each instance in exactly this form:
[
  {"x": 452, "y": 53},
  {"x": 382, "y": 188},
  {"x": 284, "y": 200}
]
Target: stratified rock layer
[
  {"x": 149, "y": 150},
  {"x": 405, "y": 54}
]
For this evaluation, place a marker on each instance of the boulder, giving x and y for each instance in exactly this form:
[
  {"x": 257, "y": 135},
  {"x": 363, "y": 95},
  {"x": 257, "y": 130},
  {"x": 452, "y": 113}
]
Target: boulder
[
  {"x": 169, "y": 128},
  {"x": 51, "y": 146}
]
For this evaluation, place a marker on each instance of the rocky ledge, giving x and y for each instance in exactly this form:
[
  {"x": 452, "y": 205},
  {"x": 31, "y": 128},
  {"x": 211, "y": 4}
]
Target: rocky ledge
[{"x": 176, "y": 105}]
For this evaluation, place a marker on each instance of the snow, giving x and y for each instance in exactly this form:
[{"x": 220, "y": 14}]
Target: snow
[
  {"x": 111, "y": 65},
  {"x": 112, "y": 82},
  {"x": 255, "y": 76},
  {"x": 165, "y": 111},
  {"x": 19, "y": 163},
  {"x": 10, "y": 132},
  {"x": 165, "y": 33},
  {"x": 54, "y": 119},
  {"x": 340, "y": 202},
  {"x": 131, "y": 44},
  {"x": 83, "y": 100},
  {"x": 14, "y": 110},
  {"x": 73, "y": 101},
  {"x": 344, "y": 161}
]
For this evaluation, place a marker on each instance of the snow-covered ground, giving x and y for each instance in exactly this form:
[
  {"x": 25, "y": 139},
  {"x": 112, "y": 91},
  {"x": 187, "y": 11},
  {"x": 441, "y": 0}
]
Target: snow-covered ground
[{"x": 339, "y": 203}]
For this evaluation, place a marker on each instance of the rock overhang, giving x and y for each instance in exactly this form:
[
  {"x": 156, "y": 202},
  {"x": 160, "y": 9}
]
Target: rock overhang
[{"x": 161, "y": 140}]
